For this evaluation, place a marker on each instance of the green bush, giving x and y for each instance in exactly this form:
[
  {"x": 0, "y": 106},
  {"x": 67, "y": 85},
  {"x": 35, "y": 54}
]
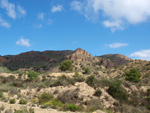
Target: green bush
[
  {"x": 62, "y": 81},
  {"x": 45, "y": 97},
  {"x": 87, "y": 71},
  {"x": 66, "y": 66},
  {"x": 22, "y": 101},
  {"x": 133, "y": 75},
  {"x": 116, "y": 91},
  {"x": 54, "y": 103},
  {"x": 72, "y": 107},
  {"x": 90, "y": 81},
  {"x": 1, "y": 94},
  {"x": 33, "y": 75},
  {"x": 98, "y": 93},
  {"x": 12, "y": 101},
  {"x": 25, "y": 110}
]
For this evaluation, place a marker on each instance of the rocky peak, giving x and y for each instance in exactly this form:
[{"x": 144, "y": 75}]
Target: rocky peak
[
  {"x": 80, "y": 55},
  {"x": 80, "y": 51}
]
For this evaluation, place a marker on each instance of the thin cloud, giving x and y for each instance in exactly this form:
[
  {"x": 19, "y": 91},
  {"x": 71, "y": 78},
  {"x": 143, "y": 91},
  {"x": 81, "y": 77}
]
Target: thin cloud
[
  {"x": 57, "y": 8},
  {"x": 41, "y": 16},
  {"x": 49, "y": 22},
  {"x": 117, "y": 45},
  {"x": 77, "y": 6},
  {"x": 143, "y": 54},
  {"x": 23, "y": 42},
  {"x": 21, "y": 11},
  {"x": 4, "y": 23},
  {"x": 10, "y": 8},
  {"x": 114, "y": 25},
  {"x": 38, "y": 26}
]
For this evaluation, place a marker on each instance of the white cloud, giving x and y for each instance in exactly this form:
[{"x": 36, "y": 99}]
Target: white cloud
[
  {"x": 41, "y": 16},
  {"x": 57, "y": 8},
  {"x": 117, "y": 45},
  {"x": 23, "y": 42},
  {"x": 38, "y": 26},
  {"x": 77, "y": 6},
  {"x": 4, "y": 23},
  {"x": 114, "y": 25},
  {"x": 143, "y": 54},
  {"x": 122, "y": 11},
  {"x": 10, "y": 8},
  {"x": 21, "y": 11}
]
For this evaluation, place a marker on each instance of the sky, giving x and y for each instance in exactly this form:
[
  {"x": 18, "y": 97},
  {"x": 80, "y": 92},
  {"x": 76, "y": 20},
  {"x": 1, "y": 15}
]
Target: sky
[{"x": 97, "y": 26}]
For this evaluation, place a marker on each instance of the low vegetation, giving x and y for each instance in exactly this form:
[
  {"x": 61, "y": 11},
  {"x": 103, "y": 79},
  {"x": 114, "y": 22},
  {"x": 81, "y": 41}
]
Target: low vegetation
[{"x": 66, "y": 66}]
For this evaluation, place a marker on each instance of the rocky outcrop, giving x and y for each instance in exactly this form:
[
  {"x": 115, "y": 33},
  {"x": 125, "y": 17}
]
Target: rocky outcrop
[{"x": 81, "y": 55}]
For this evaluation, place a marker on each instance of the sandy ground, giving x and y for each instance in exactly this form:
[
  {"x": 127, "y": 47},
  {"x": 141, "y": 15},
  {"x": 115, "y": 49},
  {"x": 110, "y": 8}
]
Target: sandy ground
[{"x": 37, "y": 109}]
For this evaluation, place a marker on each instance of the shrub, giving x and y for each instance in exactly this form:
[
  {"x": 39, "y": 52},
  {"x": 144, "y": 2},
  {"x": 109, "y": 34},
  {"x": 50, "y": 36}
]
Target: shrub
[
  {"x": 87, "y": 71},
  {"x": 72, "y": 107},
  {"x": 98, "y": 93},
  {"x": 22, "y": 101},
  {"x": 45, "y": 97},
  {"x": 24, "y": 110},
  {"x": 93, "y": 105},
  {"x": 1, "y": 94},
  {"x": 69, "y": 96},
  {"x": 54, "y": 103},
  {"x": 90, "y": 80},
  {"x": 117, "y": 91},
  {"x": 12, "y": 101},
  {"x": 33, "y": 75},
  {"x": 133, "y": 75},
  {"x": 2, "y": 108},
  {"x": 66, "y": 66},
  {"x": 62, "y": 81}
]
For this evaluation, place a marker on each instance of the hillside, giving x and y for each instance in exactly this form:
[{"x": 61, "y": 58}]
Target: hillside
[
  {"x": 48, "y": 60},
  {"x": 113, "y": 60},
  {"x": 110, "y": 83}
]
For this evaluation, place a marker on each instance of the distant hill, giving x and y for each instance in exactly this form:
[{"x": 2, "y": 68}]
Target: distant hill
[
  {"x": 50, "y": 59},
  {"x": 113, "y": 60}
]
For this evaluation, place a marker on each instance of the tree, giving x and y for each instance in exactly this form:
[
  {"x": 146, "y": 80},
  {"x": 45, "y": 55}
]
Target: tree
[
  {"x": 133, "y": 75},
  {"x": 66, "y": 66}
]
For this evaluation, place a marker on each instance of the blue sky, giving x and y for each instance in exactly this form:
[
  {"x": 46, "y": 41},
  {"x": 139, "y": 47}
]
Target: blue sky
[{"x": 98, "y": 26}]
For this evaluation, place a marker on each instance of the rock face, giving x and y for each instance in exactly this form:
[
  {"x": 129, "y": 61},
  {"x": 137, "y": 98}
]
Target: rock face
[{"x": 81, "y": 55}]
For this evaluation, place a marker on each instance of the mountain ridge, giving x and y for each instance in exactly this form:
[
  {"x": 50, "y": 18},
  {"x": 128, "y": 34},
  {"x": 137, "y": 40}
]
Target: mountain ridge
[{"x": 48, "y": 59}]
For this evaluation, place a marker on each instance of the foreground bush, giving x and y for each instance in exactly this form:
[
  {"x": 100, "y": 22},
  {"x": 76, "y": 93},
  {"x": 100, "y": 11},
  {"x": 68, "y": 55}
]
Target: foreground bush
[
  {"x": 91, "y": 81},
  {"x": 117, "y": 91},
  {"x": 98, "y": 93},
  {"x": 12, "y": 101},
  {"x": 66, "y": 66},
  {"x": 33, "y": 75},
  {"x": 72, "y": 107},
  {"x": 45, "y": 97},
  {"x": 87, "y": 71},
  {"x": 22, "y": 101},
  {"x": 133, "y": 75},
  {"x": 25, "y": 110}
]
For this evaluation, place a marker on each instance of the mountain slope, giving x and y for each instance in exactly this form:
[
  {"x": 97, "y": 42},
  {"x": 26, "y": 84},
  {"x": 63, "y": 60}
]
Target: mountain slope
[
  {"x": 113, "y": 60},
  {"x": 49, "y": 59}
]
